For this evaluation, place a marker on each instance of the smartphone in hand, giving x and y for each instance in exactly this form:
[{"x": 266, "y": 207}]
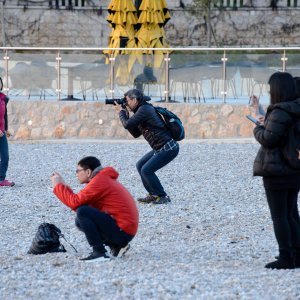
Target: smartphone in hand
[{"x": 252, "y": 119}]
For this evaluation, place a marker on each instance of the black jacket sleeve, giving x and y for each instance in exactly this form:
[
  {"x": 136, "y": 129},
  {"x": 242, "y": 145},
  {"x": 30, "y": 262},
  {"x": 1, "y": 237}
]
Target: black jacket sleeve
[
  {"x": 134, "y": 121},
  {"x": 133, "y": 130},
  {"x": 271, "y": 134}
]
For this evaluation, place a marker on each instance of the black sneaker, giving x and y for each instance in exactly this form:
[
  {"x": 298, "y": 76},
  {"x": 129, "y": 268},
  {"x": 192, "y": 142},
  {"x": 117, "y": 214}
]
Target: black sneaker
[
  {"x": 148, "y": 199},
  {"x": 281, "y": 264},
  {"x": 161, "y": 200},
  {"x": 119, "y": 251},
  {"x": 96, "y": 256}
]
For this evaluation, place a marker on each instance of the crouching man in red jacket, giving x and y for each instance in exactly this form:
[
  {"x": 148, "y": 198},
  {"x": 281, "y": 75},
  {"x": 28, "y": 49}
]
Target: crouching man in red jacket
[{"x": 105, "y": 210}]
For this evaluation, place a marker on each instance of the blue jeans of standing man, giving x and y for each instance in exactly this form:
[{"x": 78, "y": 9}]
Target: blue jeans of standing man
[
  {"x": 4, "y": 157},
  {"x": 149, "y": 164}
]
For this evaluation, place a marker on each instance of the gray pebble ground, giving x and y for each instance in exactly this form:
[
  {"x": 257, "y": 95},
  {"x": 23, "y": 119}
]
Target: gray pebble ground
[{"x": 211, "y": 242}]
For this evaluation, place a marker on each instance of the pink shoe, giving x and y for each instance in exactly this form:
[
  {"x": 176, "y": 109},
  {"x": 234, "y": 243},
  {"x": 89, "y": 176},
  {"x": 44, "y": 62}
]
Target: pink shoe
[{"x": 6, "y": 183}]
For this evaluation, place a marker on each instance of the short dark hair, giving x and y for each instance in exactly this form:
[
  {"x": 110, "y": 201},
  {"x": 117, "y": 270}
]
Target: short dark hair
[
  {"x": 135, "y": 93},
  {"x": 89, "y": 162},
  {"x": 282, "y": 87}
]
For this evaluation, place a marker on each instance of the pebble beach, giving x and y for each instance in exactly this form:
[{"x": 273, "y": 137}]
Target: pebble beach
[{"x": 211, "y": 242}]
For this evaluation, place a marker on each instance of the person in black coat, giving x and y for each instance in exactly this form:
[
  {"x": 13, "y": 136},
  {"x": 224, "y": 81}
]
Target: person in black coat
[
  {"x": 147, "y": 122},
  {"x": 281, "y": 181}
]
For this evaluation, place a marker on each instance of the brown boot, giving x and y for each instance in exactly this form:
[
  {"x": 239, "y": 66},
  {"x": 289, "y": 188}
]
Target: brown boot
[{"x": 148, "y": 199}]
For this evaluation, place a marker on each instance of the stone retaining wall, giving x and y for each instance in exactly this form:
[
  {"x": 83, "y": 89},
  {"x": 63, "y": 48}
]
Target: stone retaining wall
[
  {"x": 33, "y": 120},
  {"x": 248, "y": 26}
]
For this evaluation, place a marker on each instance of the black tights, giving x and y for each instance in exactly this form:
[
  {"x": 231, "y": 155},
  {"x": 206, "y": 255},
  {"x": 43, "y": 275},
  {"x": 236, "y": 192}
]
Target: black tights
[{"x": 285, "y": 217}]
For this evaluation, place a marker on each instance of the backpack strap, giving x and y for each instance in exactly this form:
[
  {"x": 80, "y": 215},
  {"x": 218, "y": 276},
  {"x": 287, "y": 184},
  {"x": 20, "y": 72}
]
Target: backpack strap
[{"x": 61, "y": 235}]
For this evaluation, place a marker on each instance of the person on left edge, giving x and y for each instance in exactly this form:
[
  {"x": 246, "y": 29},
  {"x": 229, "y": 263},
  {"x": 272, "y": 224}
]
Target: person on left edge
[
  {"x": 4, "y": 134},
  {"x": 105, "y": 210}
]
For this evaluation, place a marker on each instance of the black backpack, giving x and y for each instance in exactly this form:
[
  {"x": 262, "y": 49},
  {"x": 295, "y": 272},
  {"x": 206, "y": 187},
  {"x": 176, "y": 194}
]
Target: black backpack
[
  {"x": 47, "y": 240},
  {"x": 173, "y": 123},
  {"x": 291, "y": 147}
]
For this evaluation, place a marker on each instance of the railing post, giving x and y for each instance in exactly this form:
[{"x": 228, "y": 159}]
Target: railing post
[
  {"x": 224, "y": 92},
  {"x": 167, "y": 78},
  {"x": 112, "y": 76},
  {"x": 284, "y": 59},
  {"x": 3, "y": 23},
  {"x": 58, "y": 89},
  {"x": 6, "y": 59}
]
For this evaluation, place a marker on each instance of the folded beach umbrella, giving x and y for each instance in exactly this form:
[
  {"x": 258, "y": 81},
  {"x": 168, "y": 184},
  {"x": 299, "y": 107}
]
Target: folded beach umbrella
[
  {"x": 152, "y": 16},
  {"x": 153, "y": 12},
  {"x": 122, "y": 19},
  {"x": 137, "y": 23}
]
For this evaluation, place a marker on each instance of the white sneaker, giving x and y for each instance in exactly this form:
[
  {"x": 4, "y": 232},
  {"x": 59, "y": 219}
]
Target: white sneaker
[{"x": 119, "y": 251}]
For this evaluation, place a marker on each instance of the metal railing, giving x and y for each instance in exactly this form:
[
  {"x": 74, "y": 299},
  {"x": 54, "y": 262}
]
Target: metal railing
[
  {"x": 52, "y": 3},
  {"x": 70, "y": 4},
  {"x": 212, "y": 75}
]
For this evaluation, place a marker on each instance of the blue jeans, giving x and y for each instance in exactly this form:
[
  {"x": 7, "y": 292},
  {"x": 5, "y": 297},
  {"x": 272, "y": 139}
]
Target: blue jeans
[
  {"x": 4, "y": 157},
  {"x": 149, "y": 164}
]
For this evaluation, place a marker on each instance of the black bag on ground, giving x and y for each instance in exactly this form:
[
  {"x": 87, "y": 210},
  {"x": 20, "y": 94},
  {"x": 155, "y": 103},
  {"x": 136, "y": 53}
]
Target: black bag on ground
[
  {"x": 47, "y": 240},
  {"x": 172, "y": 121}
]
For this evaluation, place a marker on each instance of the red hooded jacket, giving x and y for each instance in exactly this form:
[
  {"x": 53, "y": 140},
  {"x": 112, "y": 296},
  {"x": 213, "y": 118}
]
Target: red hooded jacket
[{"x": 108, "y": 195}]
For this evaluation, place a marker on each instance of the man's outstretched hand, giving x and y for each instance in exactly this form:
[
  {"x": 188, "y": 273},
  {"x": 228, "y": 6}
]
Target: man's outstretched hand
[{"x": 56, "y": 179}]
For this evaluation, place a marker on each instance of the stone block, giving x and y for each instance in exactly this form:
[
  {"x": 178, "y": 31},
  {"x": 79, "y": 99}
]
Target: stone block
[
  {"x": 226, "y": 110},
  {"x": 22, "y": 133},
  {"x": 36, "y": 133},
  {"x": 59, "y": 131}
]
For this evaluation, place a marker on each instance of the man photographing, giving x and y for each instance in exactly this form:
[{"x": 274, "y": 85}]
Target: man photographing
[
  {"x": 147, "y": 122},
  {"x": 105, "y": 210}
]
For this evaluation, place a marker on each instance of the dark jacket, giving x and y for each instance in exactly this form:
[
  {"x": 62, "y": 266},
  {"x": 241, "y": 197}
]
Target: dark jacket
[
  {"x": 146, "y": 121},
  {"x": 272, "y": 136}
]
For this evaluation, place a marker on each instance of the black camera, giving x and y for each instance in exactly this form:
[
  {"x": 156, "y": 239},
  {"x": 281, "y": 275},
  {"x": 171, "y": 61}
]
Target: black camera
[{"x": 121, "y": 101}]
